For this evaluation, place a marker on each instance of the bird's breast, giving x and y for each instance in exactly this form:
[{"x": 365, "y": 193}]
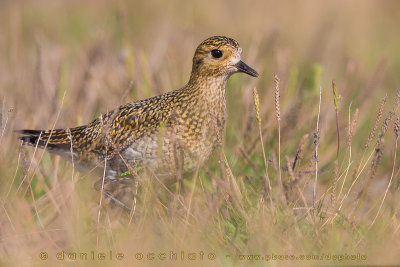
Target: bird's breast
[{"x": 187, "y": 139}]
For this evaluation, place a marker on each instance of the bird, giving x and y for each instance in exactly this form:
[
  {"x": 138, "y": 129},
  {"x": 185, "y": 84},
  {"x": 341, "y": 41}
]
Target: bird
[{"x": 175, "y": 132}]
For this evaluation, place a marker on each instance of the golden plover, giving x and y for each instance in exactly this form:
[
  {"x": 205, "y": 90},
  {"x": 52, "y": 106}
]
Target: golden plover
[{"x": 174, "y": 131}]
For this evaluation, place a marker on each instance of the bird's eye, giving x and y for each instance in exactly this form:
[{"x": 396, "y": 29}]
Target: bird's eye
[{"x": 216, "y": 53}]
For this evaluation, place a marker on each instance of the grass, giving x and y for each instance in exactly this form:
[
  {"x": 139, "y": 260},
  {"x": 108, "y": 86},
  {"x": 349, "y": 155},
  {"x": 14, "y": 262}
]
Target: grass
[{"x": 298, "y": 192}]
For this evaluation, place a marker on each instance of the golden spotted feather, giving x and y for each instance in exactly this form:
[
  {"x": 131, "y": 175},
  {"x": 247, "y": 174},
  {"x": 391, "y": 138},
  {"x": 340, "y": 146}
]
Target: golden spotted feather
[{"x": 175, "y": 130}]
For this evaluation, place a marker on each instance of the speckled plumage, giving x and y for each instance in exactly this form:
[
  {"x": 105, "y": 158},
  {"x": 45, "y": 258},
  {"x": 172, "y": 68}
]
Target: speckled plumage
[{"x": 175, "y": 130}]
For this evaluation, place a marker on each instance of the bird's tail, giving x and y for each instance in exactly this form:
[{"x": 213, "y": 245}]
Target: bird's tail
[{"x": 57, "y": 139}]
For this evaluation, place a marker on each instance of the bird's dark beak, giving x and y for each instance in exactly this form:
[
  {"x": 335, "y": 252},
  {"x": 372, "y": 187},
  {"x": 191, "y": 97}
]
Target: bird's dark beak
[{"x": 243, "y": 67}]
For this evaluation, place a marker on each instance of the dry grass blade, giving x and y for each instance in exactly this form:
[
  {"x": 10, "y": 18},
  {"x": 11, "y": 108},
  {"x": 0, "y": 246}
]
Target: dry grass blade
[
  {"x": 376, "y": 160},
  {"x": 336, "y": 98},
  {"x": 391, "y": 176},
  {"x": 334, "y": 185},
  {"x": 352, "y": 125},
  {"x": 352, "y": 128},
  {"x": 377, "y": 120},
  {"x": 278, "y": 119},
  {"x": 299, "y": 151},
  {"x": 316, "y": 143},
  {"x": 257, "y": 107}
]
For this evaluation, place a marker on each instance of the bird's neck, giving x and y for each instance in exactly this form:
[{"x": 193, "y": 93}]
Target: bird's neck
[
  {"x": 210, "y": 88},
  {"x": 210, "y": 102},
  {"x": 210, "y": 105}
]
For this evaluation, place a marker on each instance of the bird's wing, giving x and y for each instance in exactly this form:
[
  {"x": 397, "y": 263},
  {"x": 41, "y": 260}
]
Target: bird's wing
[
  {"x": 110, "y": 132},
  {"x": 133, "y": 121}
]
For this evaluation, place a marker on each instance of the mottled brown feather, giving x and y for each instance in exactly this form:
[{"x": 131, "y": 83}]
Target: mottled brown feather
[{"x": 150, "y": 132}]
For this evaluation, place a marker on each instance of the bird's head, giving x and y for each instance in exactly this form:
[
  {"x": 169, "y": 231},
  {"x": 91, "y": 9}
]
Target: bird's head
[{"x": 219, "y": 56}]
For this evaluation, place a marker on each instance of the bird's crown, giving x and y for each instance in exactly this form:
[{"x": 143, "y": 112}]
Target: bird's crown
[{"x": 219, "y": 41}]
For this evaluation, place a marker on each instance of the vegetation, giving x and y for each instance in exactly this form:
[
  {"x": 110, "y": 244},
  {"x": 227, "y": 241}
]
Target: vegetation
[{"x": 323, "y": 183}]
